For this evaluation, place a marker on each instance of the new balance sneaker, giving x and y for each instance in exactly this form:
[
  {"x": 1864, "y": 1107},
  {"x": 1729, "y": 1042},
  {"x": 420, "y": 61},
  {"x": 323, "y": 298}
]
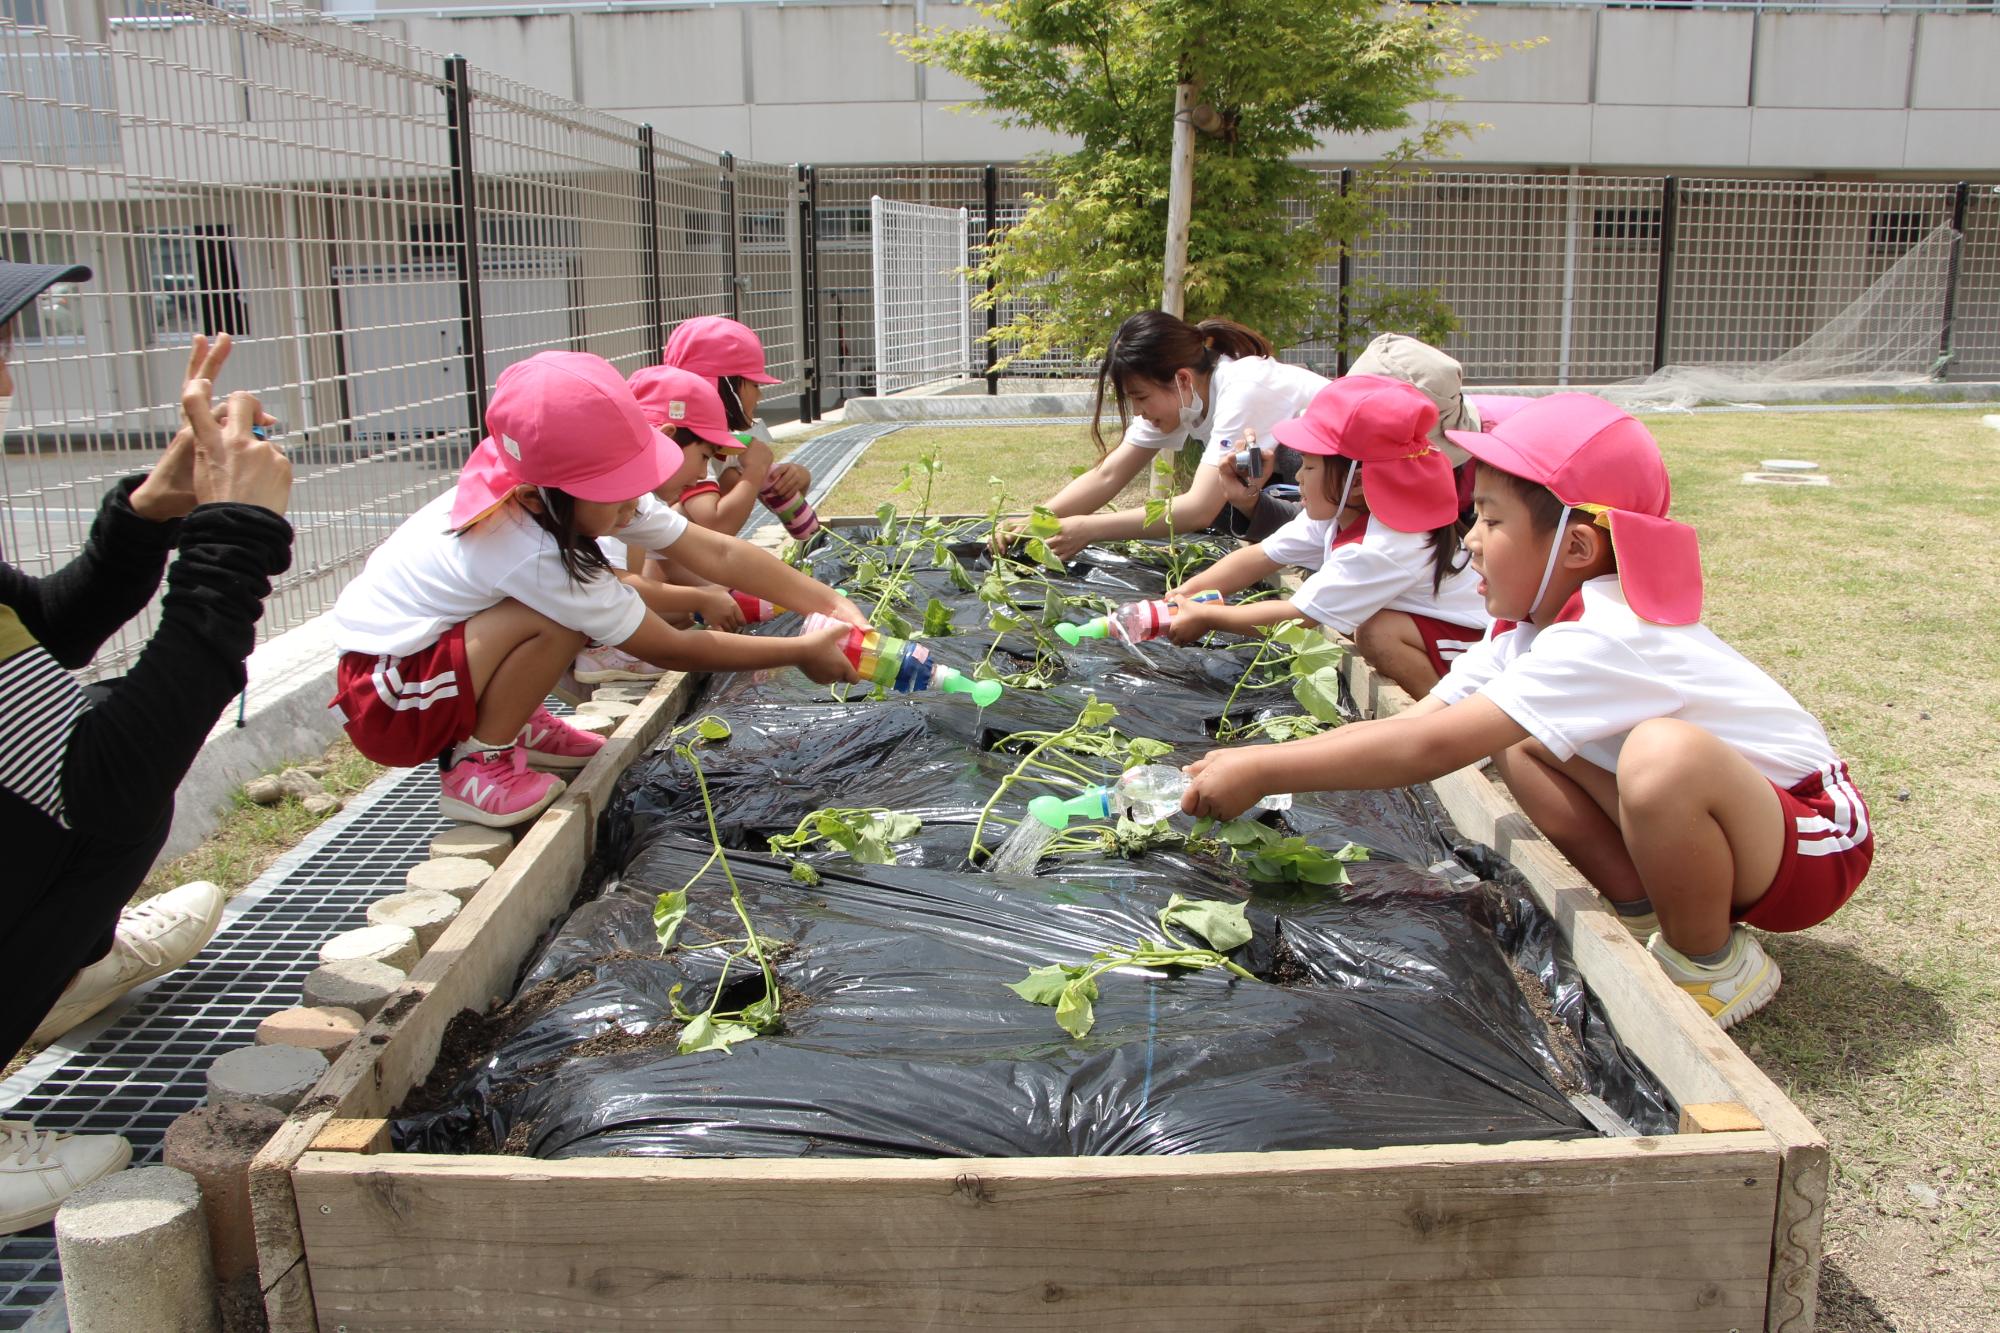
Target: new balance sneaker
[
  {"x": 153, "y": 938},
  {"x": 496, "y": 788},
  {"x": 39, "y": 1169},
  {"x": 594, "y": 666},
  {"x": 553, "y": 744},
  {"x": 1737, "y": 987}
]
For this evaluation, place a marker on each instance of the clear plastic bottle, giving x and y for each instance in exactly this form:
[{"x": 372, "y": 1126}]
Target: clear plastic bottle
[
  {"x": 902, "y": 666},
  {"x": 1145, "y": 795},
  {"x": 1134, "y": 622}
]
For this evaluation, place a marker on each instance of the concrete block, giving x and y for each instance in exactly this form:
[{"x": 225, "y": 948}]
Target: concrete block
[
  {"x": 459, "y": 876},
  {"x": 392, "y": 946},
  {"x": 425, "y": 912},
  {"x": 615, "y": 709},
  {"x": 328, "y": 1031},
  {"x": 134, "y": 1251},
  {"x": 360, "y": 985},
  {"x": 490, "y": 845},
  {"x": 214, "y": 1144},
  {"x": 274, "y": 1076}
]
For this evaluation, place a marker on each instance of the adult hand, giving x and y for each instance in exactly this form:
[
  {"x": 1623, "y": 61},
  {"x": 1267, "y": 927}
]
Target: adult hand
[
  {"x": 1191, "y": 621},
  {"x": 231, "y": 464},
  {"x": 168, "y": 490},
  {"x": 791, "y": 481},
  {"x": 1221, "y": 784},
  {"x": 719, "y": 610},
  {"x": 821, "y": 658}
]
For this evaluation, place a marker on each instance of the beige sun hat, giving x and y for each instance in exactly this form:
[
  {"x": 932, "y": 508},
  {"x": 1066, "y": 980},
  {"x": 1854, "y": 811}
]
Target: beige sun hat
[{"x": 1398, "y": 356}]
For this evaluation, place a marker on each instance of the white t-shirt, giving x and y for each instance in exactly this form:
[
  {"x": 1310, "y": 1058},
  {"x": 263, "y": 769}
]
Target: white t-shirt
[
  {"x": 1381, "y": 570},
  {"x": 1580, "y": 686},
  {"x": 425, "y": 578},
  {"x": 1252, "y": 392}
]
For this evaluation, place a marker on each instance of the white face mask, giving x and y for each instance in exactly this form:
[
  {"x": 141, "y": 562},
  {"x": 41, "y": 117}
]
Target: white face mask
[{"x": 1193, "y": 411}]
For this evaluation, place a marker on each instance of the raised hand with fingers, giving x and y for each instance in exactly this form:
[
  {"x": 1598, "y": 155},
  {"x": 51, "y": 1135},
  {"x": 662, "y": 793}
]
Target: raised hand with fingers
[
  {"x": 168, "y": 490},
  {"x": 230, "y": 463}
]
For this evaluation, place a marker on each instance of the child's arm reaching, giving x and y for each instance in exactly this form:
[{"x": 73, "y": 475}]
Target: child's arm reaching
[
  {"x": 817, "y": 654},
  {"x": 1423, "y": 743},
  {"x": 1236, "y": 571},
  {"x": 738, "y": 564},
  {"x": 1194, "y": 619},
  {"x": 676, "y": 603},
  {"x": 727, "y": 508}
]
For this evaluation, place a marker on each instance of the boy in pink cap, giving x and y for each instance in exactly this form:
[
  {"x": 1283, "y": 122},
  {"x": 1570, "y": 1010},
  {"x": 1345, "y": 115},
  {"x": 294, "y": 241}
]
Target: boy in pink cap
[
  {"x": 1688, "y": 786},
  {"x": 1379, "y": 529},
  {"x": 463, "y": 620},
  {"x": 729, "y": 353}
]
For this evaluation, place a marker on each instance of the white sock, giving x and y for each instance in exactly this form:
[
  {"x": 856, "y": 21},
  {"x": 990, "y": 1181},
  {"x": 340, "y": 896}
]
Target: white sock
[{"x": 472, "y": 745}]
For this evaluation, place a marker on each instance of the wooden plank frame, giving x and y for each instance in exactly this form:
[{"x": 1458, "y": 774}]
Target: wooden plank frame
[{"x": 1698, "y": 1231}]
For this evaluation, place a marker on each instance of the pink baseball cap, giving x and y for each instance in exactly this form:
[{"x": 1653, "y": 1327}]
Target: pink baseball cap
[
  {"x": 566, "y": 420},
  {"x": 715, "y": 346},
  {"x": 1597, "y": 457},
  {"x": 670, "y": 396},
  {"x": 1385, "y": 425}
]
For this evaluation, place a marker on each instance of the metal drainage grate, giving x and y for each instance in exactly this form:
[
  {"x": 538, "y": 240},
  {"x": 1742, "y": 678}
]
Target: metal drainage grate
[{"x": 135, "y": 1069}]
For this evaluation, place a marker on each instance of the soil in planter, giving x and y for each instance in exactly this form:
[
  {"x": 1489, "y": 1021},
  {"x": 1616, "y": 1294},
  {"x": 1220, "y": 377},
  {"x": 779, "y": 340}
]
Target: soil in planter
[{"x": 1412, "y": 1006}]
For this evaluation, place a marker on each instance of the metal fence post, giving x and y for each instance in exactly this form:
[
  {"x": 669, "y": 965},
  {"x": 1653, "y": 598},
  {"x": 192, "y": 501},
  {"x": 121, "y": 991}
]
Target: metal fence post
[
  {"x": 465, "y": 206},
  {"x": 1663, "y": 303},
  {"x": 1346, "y": 281},
  {"x": 808, "y": 296},
  {"x": 733, "y": 277},
  {"x": 1960, "y": 198},
  {"x": 649, "y": 221},
  {"x": 985, "y": 255}
]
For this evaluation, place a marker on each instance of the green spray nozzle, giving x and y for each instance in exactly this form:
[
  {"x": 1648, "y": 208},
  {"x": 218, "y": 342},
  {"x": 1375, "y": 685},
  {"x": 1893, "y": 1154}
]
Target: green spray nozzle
[
  {"x": 1089, "y": 629},
  {"x": 983, "y": 692},
  {"x": 1091, "y": 803}
]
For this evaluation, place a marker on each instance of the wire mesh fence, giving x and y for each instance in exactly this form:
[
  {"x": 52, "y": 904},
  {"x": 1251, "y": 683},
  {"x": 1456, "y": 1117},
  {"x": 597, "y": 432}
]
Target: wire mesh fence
[{"x": 923, "y": 311}]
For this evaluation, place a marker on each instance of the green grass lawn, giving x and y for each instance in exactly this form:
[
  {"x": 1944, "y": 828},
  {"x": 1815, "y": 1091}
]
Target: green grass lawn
[{"x": 1868, "y": 600}]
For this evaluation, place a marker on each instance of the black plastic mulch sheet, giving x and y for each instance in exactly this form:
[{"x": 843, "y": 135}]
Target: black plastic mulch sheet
[{"x": 1390, "y": 1011}]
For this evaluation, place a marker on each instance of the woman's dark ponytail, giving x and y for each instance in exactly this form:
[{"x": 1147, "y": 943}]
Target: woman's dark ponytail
[{"x": 1155, "y": 345}]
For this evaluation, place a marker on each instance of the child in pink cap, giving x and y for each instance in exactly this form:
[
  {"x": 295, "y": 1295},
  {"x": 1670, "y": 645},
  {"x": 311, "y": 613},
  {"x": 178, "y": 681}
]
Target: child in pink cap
[
  {"x": 463, "y": 620},
  {"x": 729, "y": 353},
  {"x": 1688, "y": 786},
  {"x": 1379, "y": 530}
]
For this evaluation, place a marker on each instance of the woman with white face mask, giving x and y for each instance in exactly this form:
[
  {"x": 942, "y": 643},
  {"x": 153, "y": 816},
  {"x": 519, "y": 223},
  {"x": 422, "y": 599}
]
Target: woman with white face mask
[
  {"x": 88, "y": 772},
  {"x": 1215, "y": 383}
]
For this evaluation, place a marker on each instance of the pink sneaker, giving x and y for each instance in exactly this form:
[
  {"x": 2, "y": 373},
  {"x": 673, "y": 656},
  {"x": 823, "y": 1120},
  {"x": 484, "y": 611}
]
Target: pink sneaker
[
  {"x": 496, "y": 789},
  {"x": 596, "y": 666},
  {"x": 551, "y": 743}
]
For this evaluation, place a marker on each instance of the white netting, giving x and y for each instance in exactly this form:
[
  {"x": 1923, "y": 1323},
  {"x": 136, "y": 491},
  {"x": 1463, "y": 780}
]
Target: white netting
[
  {"x": 923, "y": 326},
  {"x": 1887, "y": 335}
]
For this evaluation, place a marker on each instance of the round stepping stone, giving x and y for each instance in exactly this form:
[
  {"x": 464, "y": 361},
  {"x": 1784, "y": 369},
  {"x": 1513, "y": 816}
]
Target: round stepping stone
[
  {"x": 490, "y": 845},
  {"x": 360, "y": 985},
  {"x": 459, "y": 876},
  {"x": 392, "y": 946},
  {"x": 214, "y": 1144},
  {"x": 630, "y": 693},
  {"x": 597, "y": 724},
  {"x": 426, "y": 912},
  {"x": 275, "y": 1076},
  {"x": 134, "y": 1252},
  {"x": 327, "y": 1031},
  {"x": 616, "y": 709}
]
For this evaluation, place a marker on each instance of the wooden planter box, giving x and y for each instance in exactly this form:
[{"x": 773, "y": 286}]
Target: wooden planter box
[{"x": 1714, "y": 1228}]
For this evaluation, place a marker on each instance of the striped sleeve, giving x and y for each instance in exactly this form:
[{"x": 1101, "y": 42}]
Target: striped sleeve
[{"x": 42, "y": 704}]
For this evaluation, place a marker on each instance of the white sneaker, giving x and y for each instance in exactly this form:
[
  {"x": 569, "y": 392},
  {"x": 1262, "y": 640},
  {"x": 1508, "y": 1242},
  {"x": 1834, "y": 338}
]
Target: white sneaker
[
  {"x": 594, "y": 666},
  {"x": 38, "y": 1170},
  {"x": 153, "y": 938},
  {"x": 1735, "y": 988}
]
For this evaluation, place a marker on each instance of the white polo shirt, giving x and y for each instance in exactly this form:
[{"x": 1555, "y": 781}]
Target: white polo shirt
[
  {"x": 1580, "y": 685},
  {"x": 1357, "y": 573},
  {"x": 1251, "y": 392},
  {"x": 426, "y": 578}
]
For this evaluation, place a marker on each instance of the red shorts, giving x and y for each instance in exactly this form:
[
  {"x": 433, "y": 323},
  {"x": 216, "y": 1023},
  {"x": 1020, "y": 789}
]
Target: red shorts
[
  {"x": 403, "y": 711},
  {"x": 1444, "y": 640},
  {"x": 1829, "y": 845}
]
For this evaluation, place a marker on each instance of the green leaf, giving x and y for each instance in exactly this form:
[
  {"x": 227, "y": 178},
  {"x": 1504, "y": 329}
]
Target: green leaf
[
  {"x": 1319, "y": 694},
  {"x": 763, "y": 1015},
  {"x": 1144, "y": 750},
  {"x": 804, "y": 874},
  {"x": 1003, "y": 621},
  {"x": 956, "y": 573},
  {"x": 1223, "y": 925},
  {"x": 1352, "y": 852},
  {"x": 1043, "y": 522},
  {"x": 1043, "y": 556},
  {"x": 1157, "y": 511},
  {"x": 712, "y": 729},
  {"x": 885, "y": 517},
  {"x": 1244, "y": 833},
  {"x": 1074, "y": 1011},
  {"x": 1095, "y": 714},
  {"x": 704, "y": 1033},
  {"x": 937, "y": 620},
  {"x": 669, "y": 911},
  {"x": 897, "y": 826},
  {"x": 1043, "y": 985}
]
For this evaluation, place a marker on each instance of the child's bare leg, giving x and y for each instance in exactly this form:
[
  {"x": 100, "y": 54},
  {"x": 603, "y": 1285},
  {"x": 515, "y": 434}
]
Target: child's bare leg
[
  {"x": 1702, "y": 826},
  {"x": 516, "y": 655},
  {"x": 1391, "y": 643},
  {"x": 1575, "y": 806}
]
